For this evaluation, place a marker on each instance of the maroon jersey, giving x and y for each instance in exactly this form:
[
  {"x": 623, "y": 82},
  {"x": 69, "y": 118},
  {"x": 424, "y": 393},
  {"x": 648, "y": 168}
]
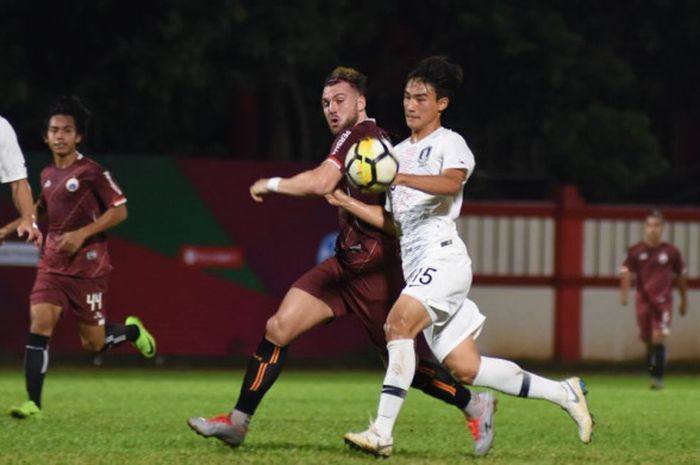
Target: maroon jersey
[
  {"x": 359, "y": 244},
  {"x": 655, "y": 269},
  {"x": 72, "y": 198}
]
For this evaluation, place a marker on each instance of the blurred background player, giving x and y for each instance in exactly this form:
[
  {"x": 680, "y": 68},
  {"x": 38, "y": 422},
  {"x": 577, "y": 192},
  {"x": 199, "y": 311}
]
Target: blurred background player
[
  {"x": 423, "y": 203},
  {"x": 364, "y": 277},
  {"x": 14, "y": 172},
  {"x": 655, "y": 266},
  {"x": 81, "y": 201}
]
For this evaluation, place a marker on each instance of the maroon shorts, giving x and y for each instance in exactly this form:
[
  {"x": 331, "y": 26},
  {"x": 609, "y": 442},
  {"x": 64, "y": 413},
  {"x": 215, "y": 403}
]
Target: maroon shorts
[
  {"x": 84, "y": 297},
  {"x": 651, "y": 318},
  {"x": 369, "y": 294}
]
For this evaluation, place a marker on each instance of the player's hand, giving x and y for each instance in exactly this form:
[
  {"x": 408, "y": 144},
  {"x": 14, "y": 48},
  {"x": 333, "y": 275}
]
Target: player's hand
[
  {"x": 337, "y": 198},
  {"x": 3, "y": 235},
  {"x": 258, "y": 189},
  {"x": 71, "y": 241},
  {"x": 33, "y": 233}
]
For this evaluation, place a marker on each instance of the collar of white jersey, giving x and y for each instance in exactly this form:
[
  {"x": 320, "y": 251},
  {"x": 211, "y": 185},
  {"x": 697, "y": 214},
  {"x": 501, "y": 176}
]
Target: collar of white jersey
[{"x": 437, "y": 130}]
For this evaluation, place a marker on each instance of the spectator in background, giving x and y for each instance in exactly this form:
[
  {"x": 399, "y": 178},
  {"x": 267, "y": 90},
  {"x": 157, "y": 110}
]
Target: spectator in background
[
  {"x": 655, "y": 266},
  {"x": 14, "y": 172}
]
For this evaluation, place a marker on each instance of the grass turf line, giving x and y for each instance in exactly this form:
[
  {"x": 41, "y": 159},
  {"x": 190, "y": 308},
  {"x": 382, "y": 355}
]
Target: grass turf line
[{"x": 108, "y": 416}]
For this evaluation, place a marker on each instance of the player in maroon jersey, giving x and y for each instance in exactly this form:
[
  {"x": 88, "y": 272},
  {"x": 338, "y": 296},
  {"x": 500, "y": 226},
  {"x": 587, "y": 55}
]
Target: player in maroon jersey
[
  {"x": 656, "y": 266},
  {"x": 80, "y": 201},
  {"x": 364, "y": 277}
]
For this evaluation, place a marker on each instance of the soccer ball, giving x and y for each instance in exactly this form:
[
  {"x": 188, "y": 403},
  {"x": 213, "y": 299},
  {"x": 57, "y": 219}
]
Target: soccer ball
[{"x": 371, "y": 165}]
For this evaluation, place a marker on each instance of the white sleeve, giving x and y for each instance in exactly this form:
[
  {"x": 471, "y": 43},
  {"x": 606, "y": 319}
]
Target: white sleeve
[
  {"x": 456, "y": 154},
  {"x": 12, "y": 165}
]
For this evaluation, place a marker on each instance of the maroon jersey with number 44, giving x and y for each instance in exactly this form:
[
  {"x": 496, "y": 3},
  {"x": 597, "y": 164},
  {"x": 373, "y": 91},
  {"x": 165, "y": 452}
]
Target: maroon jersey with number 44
[
  {"x": 656, "y": 269},
  {"x": 73, "y": 197}
]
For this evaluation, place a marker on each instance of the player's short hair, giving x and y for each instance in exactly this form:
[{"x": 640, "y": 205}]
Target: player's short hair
[
  {"x": 350, "y": 75},
  {"x": 439, "y": 72},
  {"x": 655, "y": 213},
  {"x": 70, "y": 105}
]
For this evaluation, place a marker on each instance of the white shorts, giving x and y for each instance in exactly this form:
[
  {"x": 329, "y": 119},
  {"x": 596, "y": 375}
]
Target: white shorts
[
  {"x": 467, "y": 321},
  {"x": 441, "y": 283}
]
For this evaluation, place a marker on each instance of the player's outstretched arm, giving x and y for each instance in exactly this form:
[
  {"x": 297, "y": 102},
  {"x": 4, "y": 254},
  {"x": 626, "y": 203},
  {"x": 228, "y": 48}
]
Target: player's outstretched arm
[
  {"x": 14, "y": 226},
  {"x": 73, "y": 240},
  {"x": 449, "y": 182},
  {"x": 625, "y": 284},
  {"x": 683, "y": 290},
  {"x": 371, "y": 214},
  {"x": 22, "y": 196},
  {"x": 316, "y": 182}
]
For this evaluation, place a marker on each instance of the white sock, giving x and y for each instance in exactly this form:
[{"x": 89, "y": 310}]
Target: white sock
[
  {"x": 507, "y": 377},
  {"x": 399, "y": 374}
]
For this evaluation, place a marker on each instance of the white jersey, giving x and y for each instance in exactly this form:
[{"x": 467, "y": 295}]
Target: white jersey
[
  {"x": 424, "y": 221},
  {"x": 12, "y": 165}
]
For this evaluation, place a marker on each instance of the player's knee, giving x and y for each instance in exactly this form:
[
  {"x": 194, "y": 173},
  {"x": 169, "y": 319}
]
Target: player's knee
[
  {"x": 277, "y": 331},
  {"x": 395, "y": 330},
  {"x": 41, "y": 323}
]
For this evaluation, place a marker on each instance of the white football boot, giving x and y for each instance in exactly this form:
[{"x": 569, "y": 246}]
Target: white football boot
[
  {"x": 370, "y": 441},
  {"x": 577, "y": 407}
]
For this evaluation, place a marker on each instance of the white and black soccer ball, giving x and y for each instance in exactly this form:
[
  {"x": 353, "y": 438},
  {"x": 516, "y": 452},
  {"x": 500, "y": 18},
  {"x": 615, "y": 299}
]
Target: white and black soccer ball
[{"x": 371, "y": 164}]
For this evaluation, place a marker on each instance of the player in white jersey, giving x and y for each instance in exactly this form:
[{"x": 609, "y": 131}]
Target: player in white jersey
[
  {"x": 436, "y": 264},
  {"x": 14, "y": 172},
  {"x": 425, "y": 199}
]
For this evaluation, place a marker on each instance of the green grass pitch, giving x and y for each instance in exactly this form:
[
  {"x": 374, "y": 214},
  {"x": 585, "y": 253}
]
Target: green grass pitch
[{"x": 129, "y": 416}]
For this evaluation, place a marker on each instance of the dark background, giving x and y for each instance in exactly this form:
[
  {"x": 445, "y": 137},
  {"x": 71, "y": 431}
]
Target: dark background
[{"x": 601, "y": 94}]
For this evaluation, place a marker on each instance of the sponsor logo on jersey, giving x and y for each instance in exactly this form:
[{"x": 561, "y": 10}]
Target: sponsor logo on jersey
[
  {"x": 663, "y": 258},
  {"x": 91, "y": 255},
  {"x": 72, "y": 184},
  {"x": 643, "y": 256},
  {"x": 341, "y": 140},
  {"x": 47, "y": 183}
]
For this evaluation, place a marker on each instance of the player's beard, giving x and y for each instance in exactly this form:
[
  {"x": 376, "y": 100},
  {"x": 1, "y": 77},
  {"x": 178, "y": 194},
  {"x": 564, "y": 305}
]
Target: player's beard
[{"x": 352, "y": 120}]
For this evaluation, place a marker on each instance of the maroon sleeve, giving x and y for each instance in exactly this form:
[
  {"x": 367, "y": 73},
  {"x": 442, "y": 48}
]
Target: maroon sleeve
[
  {"x": 106, "y": 188},
  {"x": 678, "y": 263},
  {"x": 629, "y": 262}
]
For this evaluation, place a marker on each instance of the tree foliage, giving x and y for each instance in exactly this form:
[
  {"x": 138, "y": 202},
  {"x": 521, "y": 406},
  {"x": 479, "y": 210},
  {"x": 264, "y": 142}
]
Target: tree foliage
[{"x": 601, "y": 94}]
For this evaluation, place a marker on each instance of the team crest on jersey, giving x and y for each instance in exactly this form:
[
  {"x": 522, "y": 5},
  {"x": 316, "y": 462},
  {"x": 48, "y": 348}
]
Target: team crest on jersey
[
  {"x": 72, "y": 184},
  {"x": 424, "y": 155},
  {"x": 663, "y": 258},
  {"x": 47, "y": 184},
  {"x": 643, "y": 256}
]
